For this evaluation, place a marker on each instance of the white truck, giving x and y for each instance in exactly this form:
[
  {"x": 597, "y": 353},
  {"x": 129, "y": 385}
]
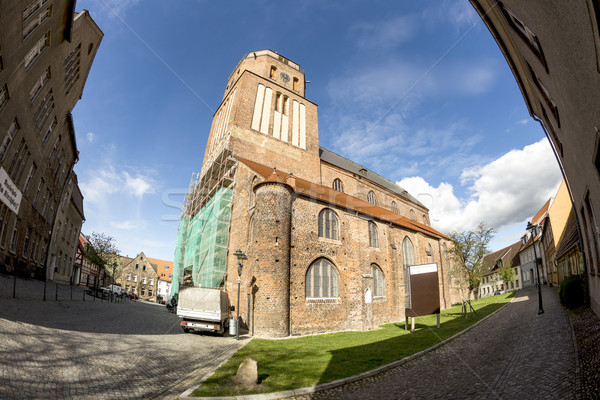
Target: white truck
[{"x": 203, "y": 309}]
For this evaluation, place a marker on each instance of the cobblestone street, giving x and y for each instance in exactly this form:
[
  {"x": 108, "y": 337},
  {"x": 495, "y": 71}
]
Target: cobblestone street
[
  {"x": 514, "y": 354},
  {"x": 97, "y": 350}
]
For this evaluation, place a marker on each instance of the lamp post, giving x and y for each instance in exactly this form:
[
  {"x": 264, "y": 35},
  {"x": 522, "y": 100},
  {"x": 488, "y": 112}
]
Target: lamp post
[
  {"x": 531, "y": 228},
  {"x": 241, "y": 257}
]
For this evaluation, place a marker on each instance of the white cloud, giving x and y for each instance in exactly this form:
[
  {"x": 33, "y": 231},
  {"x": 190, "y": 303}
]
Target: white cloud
[
  {"x": 460, "y": 14},
  {"x": 505, "y": 191},
  {"x": 107, "y": 182},
  {"x": 384, "y": 34},
  {"x": 139, "y": 185},
  {"x": 119, "y": 7},
  {"x": 124, "y": 225},
  {"x": 90, "y": 136}
]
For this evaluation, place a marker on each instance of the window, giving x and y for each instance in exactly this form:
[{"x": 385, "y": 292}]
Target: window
[
  {"x": 371, "y": 198},
  {"x": 4, "y": 96},
  {"x": 149, "y": 292},
  {"x": 322, "y": 280},
  {"x": 429, "y": 252},
  {"x": 26, "y": 245},
  {"x": 445, "y": 252},
  {"x": 39, "y": 85},
  {"x": 151, "y": 282},
  {"x": 377, "y": 281},
  {"x": 129, "y": 276},
  {"x": 10, "y": 134},
  {"x": 329, "y": 225},
  {"x": 412, "y": 215},
  {"x": 143, "y": 292},
  {"x": 425, "y": 219},
  {"x": 296, "y": 84},
  {"x": 286, "y": 105},
  {"x": 144, "y": 280},
  {"x": 273, "y": 72},
  {"x": 30, "y": 175},
  {"x": 545, "y": 95},
  {"x": 162, "y": 274},
  {"x": 143, "y": 267},
  {"x": 373, "y": 234},
  {"x": 13, "y": 239},
  {"x": 135, "y": 277},
  {"x": 166, "y": 267},
  {"x": 278, "y": 99},
  {"x": 137, "y": 266},
  {"x": 170, "y": 276},
  {"x": 36, "y": 50},
  {"x": 408, "y": 260},
  {"x": 525, "y": 33},
  {"x": 338, "y": 185},
  {"x": 394, "y": 207}
]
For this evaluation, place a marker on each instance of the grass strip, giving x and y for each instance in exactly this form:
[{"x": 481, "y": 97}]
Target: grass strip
[{"x": 311, "y": 360}]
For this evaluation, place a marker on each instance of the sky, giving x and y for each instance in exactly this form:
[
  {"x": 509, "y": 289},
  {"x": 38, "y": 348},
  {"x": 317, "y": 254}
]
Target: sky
[{"x": 417, "y": 91}]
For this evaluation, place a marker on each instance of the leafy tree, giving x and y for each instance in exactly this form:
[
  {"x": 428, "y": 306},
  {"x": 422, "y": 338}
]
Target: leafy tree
[
  {"x": 467, "y": 252},
  {"x": 103, "y": 252},
  {"x": 506, "y": 273}
]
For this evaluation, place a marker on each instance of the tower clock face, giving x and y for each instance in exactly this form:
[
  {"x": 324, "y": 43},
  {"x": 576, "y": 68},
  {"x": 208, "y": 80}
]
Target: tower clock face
[{"x": 284, "y": 77}]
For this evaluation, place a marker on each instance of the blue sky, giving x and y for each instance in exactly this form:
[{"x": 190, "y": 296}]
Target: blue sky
[{"x": 416, "y": 91}]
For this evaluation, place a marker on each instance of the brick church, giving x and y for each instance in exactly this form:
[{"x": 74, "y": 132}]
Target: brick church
[{"x": 327, "y": 240}]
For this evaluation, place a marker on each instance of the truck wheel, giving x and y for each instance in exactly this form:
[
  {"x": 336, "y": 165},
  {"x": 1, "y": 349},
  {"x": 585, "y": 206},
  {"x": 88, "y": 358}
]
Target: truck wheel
[{"x": 186, "y": 330}]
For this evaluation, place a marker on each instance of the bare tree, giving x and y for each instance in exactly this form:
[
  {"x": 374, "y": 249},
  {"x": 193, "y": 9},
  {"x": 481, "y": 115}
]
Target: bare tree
[{"x": 467, "y": 252}]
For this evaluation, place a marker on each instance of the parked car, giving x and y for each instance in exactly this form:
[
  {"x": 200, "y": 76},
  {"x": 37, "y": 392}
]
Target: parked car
[
  {"x": 116, "y": 289},
  {"x": 497, "y": 292}
]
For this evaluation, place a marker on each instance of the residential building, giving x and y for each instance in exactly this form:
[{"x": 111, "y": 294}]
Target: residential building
[
  {"x": 46, "y": 51},
  {"x": 569, "y": 258},
  {"x": 553, "y": 50},
  {"x": 531, "y": 250},
  {"x": 165, "y": 272},
  {"x": 329, "y": 242},
  {"x": 492, "y": 280},
  {"x": 141, "y": 275},
  {"x": 64, "y": 242},
  {"x": 86, "y": 273}
]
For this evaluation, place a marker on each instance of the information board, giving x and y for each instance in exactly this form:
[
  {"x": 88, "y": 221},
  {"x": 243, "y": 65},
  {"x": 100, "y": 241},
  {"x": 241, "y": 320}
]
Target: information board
[{"x": 424, "y": 290}]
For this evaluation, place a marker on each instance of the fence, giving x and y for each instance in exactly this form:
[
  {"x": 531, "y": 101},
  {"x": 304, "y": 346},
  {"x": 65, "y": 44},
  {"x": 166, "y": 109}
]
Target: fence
[{"x": 13, "y": 287}]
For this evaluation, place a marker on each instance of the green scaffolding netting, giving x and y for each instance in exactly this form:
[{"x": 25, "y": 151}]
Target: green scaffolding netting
[{"x": 201, "y": 249}]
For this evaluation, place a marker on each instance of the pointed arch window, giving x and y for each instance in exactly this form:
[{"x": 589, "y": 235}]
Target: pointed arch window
[
  {"x": 408, "y": 260},
  {"x": 322, "y": 280},
  {"x": 378, "y": 286},
  {"x": 425, "y": 219},
  {"x": 412, "y": 215},
  {"x": 338, "y": 185},
  {"x": 373, "y": 242},
  {"x": 371, "y": 198},
  {"x": 329, "y": 224},
  {"x": 395, "y": 207},
  {"x": 429, "y": 252}
]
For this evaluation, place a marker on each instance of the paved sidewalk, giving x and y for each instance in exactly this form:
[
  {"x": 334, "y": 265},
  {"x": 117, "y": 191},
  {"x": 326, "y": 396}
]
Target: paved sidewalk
[
  {"x": 98, "y": 350},
  {"x": 514, "y": 354}
]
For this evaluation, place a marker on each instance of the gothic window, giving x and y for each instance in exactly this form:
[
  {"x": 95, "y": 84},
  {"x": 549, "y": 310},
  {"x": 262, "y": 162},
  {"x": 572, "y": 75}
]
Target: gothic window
[
  {"x": 395, "y": 207},
  {"x": 412, "y": 215},
  {"x": 371, "y": 198},
  {"x": 377, "y": 281},
  {"x": 329, "y": 225},
  {"x": 338, "y": 185},
  {"x": 425, "y": 219},
  {"x": 373, "y": 234},
  {"x": 408, "y": 259},
  {"x": 322, "y": 280},
  {"x": 429, "y": 252}
]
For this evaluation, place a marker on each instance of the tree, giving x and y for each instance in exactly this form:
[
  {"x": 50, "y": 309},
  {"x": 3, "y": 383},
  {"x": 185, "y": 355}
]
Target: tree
[
  {"x": 103, "y": 252},
  {"x": 506, "y": 273},
  {"x": 467, "y": 252}
]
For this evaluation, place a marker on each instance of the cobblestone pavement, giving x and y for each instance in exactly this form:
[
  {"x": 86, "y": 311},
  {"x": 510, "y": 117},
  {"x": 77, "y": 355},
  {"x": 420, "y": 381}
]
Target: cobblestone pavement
[
  {"x": 97, "y": 350},
  {"x": 587, "y": 331},
  {"x": 514, "y": 354}
]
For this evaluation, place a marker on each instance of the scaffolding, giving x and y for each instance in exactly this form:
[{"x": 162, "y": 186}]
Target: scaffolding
[{"x": 203, "y": 235}]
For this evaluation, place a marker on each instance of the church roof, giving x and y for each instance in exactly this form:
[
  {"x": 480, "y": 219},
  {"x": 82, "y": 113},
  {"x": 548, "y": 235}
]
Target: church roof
[
  {"x": 335, "y": 159},
  {"x": 351, "y": 203}
]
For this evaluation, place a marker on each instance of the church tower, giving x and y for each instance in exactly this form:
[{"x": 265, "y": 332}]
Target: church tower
[{"x": 264, "y": 116}]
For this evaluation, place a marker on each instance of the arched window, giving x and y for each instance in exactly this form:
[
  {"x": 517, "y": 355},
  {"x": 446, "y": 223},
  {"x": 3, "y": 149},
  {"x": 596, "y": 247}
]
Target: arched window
[
  {"x": 429, "y": 252},
  {"x": 425, "y": 219},
  {"x": 395, "y": 207},
  {"x": 412, "y": 215},
  {"x": 322, "y": 280},
  {"x": 329, "y": 225},
  {"x": 373, "y": 234},
  {"x": 408, "y": 258},
  {"x": 338, "y": 185},
  {"x": 445, "y": 251},
  {"x": 377, "y": 281},
  {"x": 371, "y": 198}
]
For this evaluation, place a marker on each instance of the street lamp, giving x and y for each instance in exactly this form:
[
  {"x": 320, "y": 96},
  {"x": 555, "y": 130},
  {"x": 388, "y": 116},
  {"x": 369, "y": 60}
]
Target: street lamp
[
  {"x": 531, "y": 228},
  {"x": 241, "y": 257}
]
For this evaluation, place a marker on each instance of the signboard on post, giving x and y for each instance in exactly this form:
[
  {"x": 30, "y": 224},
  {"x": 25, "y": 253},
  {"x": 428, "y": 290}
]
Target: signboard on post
[
  {"x": 424, "y": 290},
  {"x": 9, "y": 193}
]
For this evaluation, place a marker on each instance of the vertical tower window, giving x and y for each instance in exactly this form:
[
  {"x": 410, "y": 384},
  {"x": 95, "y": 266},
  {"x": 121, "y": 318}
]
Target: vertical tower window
[
  {"x": 329, "y": 224},
  {"x": 378, "y": 286},
  {"x": 371, "y": 198},
  {"x": 296, "y": 84},
  {"x": 373, "y": 242},
  {"x": 338, "y": 185},
  {"x": 273, "y": 72},
  {"x": 322, "y": 280}
]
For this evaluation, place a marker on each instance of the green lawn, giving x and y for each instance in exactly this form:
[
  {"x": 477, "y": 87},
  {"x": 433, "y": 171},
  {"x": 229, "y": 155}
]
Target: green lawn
[{"x": 311, "y": 360}]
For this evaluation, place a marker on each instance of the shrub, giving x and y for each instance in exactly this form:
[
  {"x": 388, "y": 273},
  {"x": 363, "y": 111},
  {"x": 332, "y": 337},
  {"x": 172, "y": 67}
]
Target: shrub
[{"x": 571, "y": 292}]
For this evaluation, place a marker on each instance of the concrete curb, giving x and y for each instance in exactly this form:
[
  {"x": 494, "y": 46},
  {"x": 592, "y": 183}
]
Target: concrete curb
[{"x": 333, "y": 384}]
